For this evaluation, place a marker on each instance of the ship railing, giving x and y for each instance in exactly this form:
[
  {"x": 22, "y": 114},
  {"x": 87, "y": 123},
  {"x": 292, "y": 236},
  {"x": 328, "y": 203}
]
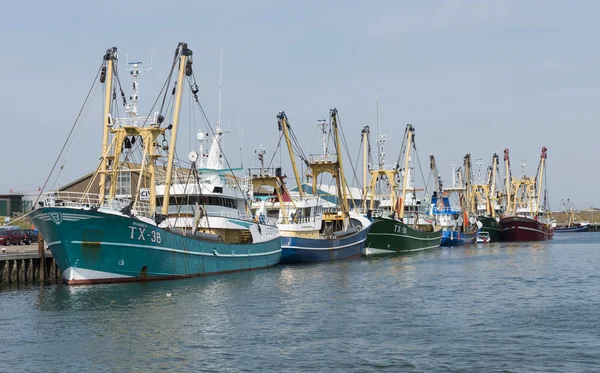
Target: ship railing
[
  {"x": 264, "y": 172},
  {"x": 137, "y": 121},
  {"x": 89, "y": 200},
  {"x": 297, "y": 220},
  {"x": 243, "y": 216},
  {"x": 323, "y": 158},
  {"x": 446, "y": 210}
]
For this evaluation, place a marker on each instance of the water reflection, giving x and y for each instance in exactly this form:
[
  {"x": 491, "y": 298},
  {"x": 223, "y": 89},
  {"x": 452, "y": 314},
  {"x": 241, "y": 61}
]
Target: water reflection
[{"x": 475, "y": 308}]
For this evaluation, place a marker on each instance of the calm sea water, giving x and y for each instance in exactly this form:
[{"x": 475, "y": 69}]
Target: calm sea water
[{"x": 489, "y": 308}]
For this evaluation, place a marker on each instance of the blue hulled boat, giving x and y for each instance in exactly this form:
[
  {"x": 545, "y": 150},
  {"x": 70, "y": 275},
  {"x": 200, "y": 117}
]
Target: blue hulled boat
[
  {"x": 573, "y": 229},
  {"x": 312, "y": 228}
]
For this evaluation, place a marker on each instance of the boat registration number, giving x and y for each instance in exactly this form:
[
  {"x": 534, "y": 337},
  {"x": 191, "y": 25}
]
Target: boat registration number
[
  {"x": 399, "y": 229},
  {"x": 140, "y": 234}
]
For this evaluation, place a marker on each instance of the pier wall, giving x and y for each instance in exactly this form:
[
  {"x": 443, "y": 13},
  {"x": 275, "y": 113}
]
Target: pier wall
[{"x": 28, "y": 267}]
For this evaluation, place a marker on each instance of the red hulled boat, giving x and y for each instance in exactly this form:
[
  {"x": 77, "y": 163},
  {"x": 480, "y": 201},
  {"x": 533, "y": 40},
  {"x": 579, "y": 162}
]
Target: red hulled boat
[
  {"x": 527, "y": 219},
  {"x": 520, "y": 228}
]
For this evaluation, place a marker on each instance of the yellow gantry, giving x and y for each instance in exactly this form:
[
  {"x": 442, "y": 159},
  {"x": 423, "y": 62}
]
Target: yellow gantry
[
  {"x": 283, "y": 124},
  {"x": 112, "y": 149}
]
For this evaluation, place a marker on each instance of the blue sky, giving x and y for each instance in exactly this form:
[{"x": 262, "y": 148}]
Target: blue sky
[{"x": 472, "y": 76}]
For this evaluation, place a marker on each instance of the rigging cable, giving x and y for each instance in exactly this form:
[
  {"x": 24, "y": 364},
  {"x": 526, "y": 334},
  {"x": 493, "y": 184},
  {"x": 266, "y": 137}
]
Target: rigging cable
[
  {"x": 244, "y": 194},
  {"x": 70, "y": 133}
]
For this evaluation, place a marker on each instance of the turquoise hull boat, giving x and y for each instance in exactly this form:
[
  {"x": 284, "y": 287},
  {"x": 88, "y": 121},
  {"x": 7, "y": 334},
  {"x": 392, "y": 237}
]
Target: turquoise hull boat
[{"x": 100, "y": 247}]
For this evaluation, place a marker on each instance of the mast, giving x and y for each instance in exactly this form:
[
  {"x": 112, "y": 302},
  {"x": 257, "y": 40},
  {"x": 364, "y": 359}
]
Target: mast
[
  {"x": 341, "y": 180},
  {"x": 185, "y": 67},
  {"x": 379, "y": 147},
  {"x": 107, "y": 72},
  {"x": 283, "y": 125},
  {"x": 220, "y": 86},
  {"x": 410, "y": 130},
  {"x": 365, "y": 139},
  {"x": 323, "y": 125},
  {"x": 492, "y": 196},
  {"x": 541, "y": 177},
  {"x": 508, "y": 180},
  {"x": 467, "y": 199},
  {"x": 433, "y": 167}
]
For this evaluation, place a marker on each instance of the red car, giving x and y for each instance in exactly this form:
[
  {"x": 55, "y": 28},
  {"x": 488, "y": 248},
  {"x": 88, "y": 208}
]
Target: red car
[{"x": 10, "y": 236}]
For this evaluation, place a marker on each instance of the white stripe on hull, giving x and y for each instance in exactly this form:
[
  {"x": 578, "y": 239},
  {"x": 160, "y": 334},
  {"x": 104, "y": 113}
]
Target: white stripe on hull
[
  {"x": 373, "y": 251},
  {"x": 79, "y": 274},
  {"x": 526, "y": 229},
  {"x": 406, "y": 236},
  {"x": 324, "y": 248},
  {"x": 179, "y": 251}
]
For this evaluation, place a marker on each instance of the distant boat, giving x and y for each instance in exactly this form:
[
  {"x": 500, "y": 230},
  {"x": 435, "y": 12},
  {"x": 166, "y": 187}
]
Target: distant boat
[
  {"x": 527, "y": 219},
  {"x": 573, "y": 224},
  {"x": 583, "y": 227}
]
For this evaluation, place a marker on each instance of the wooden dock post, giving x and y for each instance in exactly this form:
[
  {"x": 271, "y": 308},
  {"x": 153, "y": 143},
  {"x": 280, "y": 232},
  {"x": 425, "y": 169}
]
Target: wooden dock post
[
  {"x": 42, "y": 254},
  {"x": 5, "y": 272},
  {"x": 21, "y": 274},
  {"x": 14, "y": 272},
  {"x": 29, "y": 273}
]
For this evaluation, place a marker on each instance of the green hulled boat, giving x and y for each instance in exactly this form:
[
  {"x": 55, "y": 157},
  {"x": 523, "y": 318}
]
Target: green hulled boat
[
  {"x": 486, "y": 201},
  {"x": 400, "y": 221},
  {"x": 491, "y": 226},
  {"x": 391, "y": 235}
]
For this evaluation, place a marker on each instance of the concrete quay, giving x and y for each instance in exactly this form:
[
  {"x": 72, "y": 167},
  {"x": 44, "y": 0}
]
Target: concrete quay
[{"x": 27, "y": 264}]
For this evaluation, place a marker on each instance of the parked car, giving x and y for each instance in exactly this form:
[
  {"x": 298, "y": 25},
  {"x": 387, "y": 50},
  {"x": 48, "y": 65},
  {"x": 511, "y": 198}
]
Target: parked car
[
  {"x": 10, "y": 235},
  {"x": 29, "y": 236}
]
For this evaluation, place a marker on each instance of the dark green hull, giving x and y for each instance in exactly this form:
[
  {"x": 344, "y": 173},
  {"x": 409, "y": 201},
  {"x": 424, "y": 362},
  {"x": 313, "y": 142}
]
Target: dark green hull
[
  {"x": 389, "y": 235},
  {"x": 491, "y": 226}
]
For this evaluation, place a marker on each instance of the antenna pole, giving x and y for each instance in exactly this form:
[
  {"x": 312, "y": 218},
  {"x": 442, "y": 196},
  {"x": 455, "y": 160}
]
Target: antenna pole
[
  {"x": 378, "y": 131},
  {"x": 220, "y": 86}
]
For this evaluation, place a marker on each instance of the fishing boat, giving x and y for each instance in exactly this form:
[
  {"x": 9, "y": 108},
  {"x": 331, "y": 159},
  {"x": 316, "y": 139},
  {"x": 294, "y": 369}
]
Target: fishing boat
[
  {"x": 458, "y": 226},
  {"x": 486, "y": 200},
  {"x": 400, "y": 221},
  {"x": 200, "y": 227},
  {"x": 312, "y": 229},
  {"x": 574, "y": 222},
  {"x": 526, "y": 218}
]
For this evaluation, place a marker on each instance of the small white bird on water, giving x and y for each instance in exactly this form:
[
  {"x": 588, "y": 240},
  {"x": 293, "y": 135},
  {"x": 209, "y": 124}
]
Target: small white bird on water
[{"x": 169, "y": 294}]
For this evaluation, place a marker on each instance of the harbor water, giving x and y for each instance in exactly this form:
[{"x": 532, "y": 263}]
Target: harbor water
[{"x": 526, "y": 307}]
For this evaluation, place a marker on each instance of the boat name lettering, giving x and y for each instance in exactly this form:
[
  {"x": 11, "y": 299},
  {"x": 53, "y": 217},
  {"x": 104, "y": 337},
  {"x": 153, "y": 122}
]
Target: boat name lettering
[
  {"x": 140, "y": 234},
  {"x": 400, "y": 229}
]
